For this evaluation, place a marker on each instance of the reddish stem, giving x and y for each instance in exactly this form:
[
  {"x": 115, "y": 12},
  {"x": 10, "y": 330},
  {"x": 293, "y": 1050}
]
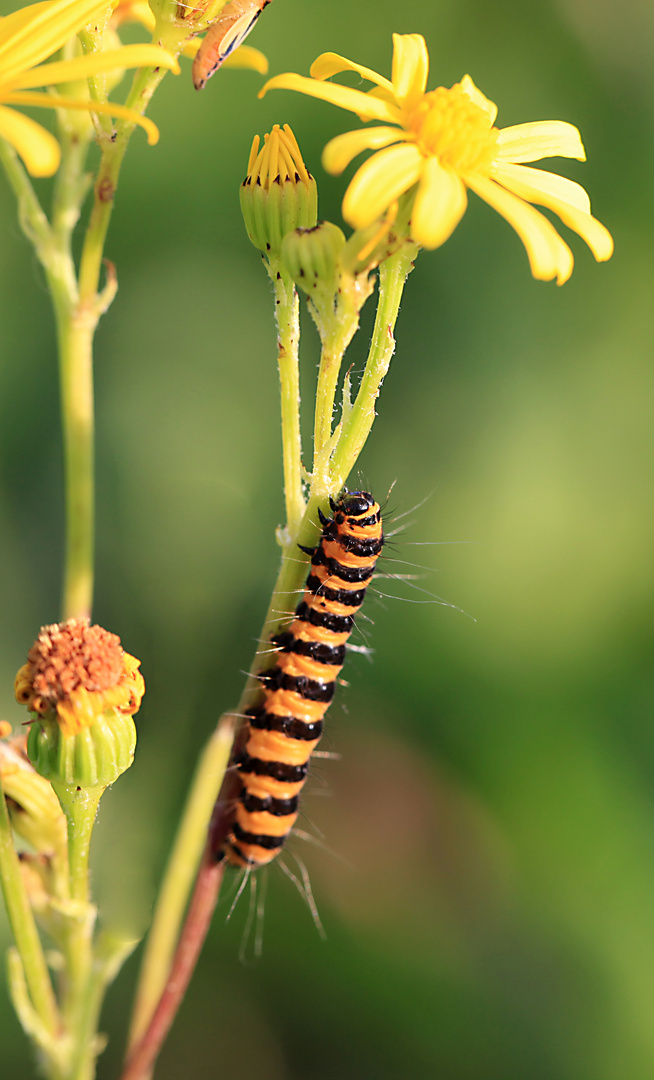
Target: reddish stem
[{"x": 198, "y": 921}]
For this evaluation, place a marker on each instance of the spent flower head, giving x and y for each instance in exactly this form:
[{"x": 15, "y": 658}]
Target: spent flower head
[
  {"x": 76, "y": 672},
  {"x": 33, "y": 34},
  {"x": 438, "y": 144},
  {"x": 82, "y": 690}
]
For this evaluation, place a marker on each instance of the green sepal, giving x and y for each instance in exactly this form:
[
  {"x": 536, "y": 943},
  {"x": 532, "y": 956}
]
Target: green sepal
[{"x": 94, "y": 757}]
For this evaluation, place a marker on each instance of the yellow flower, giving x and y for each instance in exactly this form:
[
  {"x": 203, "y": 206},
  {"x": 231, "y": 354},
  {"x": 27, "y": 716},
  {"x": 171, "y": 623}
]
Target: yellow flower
[
  {"x": 31, "y": 35},
  {"x": 444, "y": 141},
  {"x": 76, "y": 672}
]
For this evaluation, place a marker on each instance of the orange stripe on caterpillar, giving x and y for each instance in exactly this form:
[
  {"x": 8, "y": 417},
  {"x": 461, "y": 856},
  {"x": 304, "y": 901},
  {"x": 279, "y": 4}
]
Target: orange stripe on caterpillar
[
  {"x": 230, "y": 30},
  {"x": 283, "y": 732}
]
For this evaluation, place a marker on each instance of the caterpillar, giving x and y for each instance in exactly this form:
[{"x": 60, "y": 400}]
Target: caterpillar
[
  {"x": 224, "y": 36},
  {"x": 283, "y": 732}
]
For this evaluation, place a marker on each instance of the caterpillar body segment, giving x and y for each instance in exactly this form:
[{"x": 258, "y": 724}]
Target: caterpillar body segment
[
  {"x": 224, "y": 36},
  {"x": 283, "y": 732}
]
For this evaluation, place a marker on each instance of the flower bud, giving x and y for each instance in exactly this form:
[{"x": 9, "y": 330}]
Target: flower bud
[
  {"x": 82, "y": 689},
  {"x": 279, "y": 194},
  {"x": 33, "y": 806},
  {"x": 311, "y": 257}
]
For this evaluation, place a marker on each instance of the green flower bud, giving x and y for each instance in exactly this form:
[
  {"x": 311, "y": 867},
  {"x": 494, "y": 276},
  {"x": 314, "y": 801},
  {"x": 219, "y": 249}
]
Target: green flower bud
[
  {"x": 312, "y": 258},
  {"x": 279, "y": 194}
]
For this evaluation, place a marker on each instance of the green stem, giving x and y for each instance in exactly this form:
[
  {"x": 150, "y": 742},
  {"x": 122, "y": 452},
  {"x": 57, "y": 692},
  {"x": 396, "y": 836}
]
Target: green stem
[
  {"x": 287, "y": 314},
  {"x": 23, "y": 927},
  {"x": 337, "y": 324},
  {"x": 146, "y": 81},
  {"x": 356, "y": 428},
  {"x": 75, "y": 337},
  {"x": 179, "y": 875},
  {"x": 330, "y": 365},
  {"x": 80, "y": 807},
  {"x": 31, "y": 216}
]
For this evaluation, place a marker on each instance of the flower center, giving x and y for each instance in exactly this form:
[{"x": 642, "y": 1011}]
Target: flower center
[
  {"x": 70, "y": 655},
  {"x": 449, "y": 126}
]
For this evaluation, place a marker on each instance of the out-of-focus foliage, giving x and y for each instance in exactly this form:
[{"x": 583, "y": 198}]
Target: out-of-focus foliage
[{"x": 490, "y": 908}]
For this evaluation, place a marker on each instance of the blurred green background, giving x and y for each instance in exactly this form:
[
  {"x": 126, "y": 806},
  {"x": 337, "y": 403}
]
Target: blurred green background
[{"x": 490, "y": 905}]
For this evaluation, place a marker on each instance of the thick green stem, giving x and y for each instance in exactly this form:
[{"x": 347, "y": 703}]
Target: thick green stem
[
  {"x": 356, "y": 428},
  {"x": 287, "y": 314},
  {"x": 24, "y": 929}
]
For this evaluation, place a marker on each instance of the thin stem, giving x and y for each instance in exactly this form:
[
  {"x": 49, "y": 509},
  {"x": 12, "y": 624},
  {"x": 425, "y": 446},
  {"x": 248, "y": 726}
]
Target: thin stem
[
  {"x": 80, "y": 807},
  {"x": 328, "y": 372},
  {"x": 146, "y": 81},
  {"x": 31, "y": 216},
  {"x": 356, "y": 428},
  {"x": 287, "y": 314},
  {"x": 178, "y": 878},
  {"x": 23, "y": 927},
  {"x": 337, "y": 324},
  {"x": 194, "y": 933},
  {"x": 75, "y": 337}
]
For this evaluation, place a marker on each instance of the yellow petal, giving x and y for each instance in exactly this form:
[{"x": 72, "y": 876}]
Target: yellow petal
[
  {"x": 338, "y": 153},
  {"x": 81, "y": 67},
  {"x": 475, "y": 94},
  {"x": 54, "y": 101},
  {"x": 440, "y": 204},
  {"x": 40, "y": 30},
  {"x": 379, "y": 181},
  {"x": 329, "y": 63},
  {"x": 12, "y": 23},
  {"x": 247, "y": 57},
  {"x": 364, "y": 105},
  {"x": 410, "y": 68},
  {"x": 383, "y": 94},
  {"x": 544, "y": 138},
  {"x": 549, "y": 256},
  {"x": 530, "y": 183},
  {"x": 37, "y": 147},
  {"x": 574, "y": 211}
]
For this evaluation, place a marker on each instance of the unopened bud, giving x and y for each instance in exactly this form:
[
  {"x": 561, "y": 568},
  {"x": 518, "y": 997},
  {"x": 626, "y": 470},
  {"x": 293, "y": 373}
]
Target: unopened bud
[
  {"x": 311, "y": 257},
  {"x": 279, "y": 193}
]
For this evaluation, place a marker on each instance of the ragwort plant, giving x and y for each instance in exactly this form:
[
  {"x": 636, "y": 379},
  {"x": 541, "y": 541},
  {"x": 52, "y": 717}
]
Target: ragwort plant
[{"x": 430, "y": 147}]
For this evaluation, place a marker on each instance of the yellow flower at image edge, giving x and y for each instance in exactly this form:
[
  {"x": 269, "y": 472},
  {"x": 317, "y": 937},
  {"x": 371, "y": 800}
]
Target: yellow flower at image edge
[
  {"x": 443, "y": 142},
  {"x": 75, "y": 673},
  {"x": 33, "y": 34}
]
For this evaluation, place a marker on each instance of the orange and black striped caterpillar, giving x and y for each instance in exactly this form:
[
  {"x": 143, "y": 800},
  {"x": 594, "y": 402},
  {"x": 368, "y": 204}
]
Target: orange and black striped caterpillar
[{"x": 283, "y": 732}]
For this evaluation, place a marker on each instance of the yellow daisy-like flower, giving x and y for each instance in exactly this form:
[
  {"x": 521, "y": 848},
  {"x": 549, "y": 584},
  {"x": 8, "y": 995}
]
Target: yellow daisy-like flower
[
  {"x": 30, "y": 36},
  {"x": 444, "y": 141},
  {"x": 76, "y": 672}
]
